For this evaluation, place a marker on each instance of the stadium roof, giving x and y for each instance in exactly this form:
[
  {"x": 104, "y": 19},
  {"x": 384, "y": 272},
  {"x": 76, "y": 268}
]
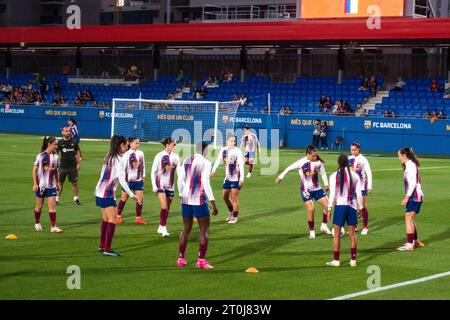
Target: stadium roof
[{"x": 321, "y": 31}]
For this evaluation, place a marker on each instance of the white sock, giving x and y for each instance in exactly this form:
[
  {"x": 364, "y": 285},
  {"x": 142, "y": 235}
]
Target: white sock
[{"x": 75, "y": 198}]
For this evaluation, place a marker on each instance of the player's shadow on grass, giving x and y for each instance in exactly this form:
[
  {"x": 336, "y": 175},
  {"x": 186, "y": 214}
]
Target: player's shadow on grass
[
  {"x": 380, "y": 224},
  {"x": 268, "y": 243},
  {"x": 445, "y": 235}
]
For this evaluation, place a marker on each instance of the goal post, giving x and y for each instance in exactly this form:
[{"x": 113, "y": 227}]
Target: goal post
[{"x": 153, "y": 120}]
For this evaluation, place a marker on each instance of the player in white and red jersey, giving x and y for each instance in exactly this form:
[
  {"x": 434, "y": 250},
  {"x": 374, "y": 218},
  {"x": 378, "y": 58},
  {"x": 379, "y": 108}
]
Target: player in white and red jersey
[
  {"x": 195, "y": 189},
  {"x": 113, "y": 172},
  {"x": 359, "y": 164},
  {"x": 309, "y": 169},
  {"x": 45, "y": 182},
  {"x": 413, "y": 198},
  {"x": 346, "y": 197},
  {"x": 233, "y": 159},
  {"x": 251, "y": 142},
  {"x": 163, "y": 174},
  {"x": 134, "y": 162}
]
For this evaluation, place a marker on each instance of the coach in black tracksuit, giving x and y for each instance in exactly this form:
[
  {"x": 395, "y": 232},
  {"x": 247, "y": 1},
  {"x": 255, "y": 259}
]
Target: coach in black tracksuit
[{"x": 69, "y": 162}]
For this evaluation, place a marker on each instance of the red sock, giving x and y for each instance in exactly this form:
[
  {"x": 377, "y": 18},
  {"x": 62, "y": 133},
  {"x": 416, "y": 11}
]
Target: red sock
[
  {"x": 324, "y": 218},
  {"x": 104, "y": 224},
  {"x": 365, "y": 217},
  {"x": 353, "y": 253},
  {"x": 52, "y": 218},
  {"x": 182, "y": 249},
  {"x": 235, "y": 214},
  {"x": 250, "y": 168},
  {"x": 138, "y": 209},
  {"x": 336, "y": 255},
  {"x": 120, "y": 207},
  {"x": 37, "y": 216},
  {"x": 311, "y": 225},
  {"x": 415, "y": 232},
  {"x": 410, "y": 238},
  {"x": 110, "y": 229},
  {"x": 202, "y": 250},
  {"x": 163, "y": 214}
]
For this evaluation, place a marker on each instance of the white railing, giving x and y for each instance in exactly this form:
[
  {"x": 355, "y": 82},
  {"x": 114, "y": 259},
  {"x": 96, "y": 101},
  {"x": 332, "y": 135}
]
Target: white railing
[{"x": 117, "y": 81}]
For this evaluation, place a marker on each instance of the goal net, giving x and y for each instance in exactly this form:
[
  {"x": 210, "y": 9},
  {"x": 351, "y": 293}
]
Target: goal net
[{"x": 185, "y": 121}]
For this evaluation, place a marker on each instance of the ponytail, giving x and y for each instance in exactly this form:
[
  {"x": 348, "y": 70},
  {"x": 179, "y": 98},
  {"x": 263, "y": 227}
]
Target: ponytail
[
  {"x": 46, "y": 141},
  {"x": 409, "y": 153},
  {"x": 343, "y": 164}
]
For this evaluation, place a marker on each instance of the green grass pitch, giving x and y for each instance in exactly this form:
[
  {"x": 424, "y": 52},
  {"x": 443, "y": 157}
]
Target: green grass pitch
[{"x": 272, "y": 235}]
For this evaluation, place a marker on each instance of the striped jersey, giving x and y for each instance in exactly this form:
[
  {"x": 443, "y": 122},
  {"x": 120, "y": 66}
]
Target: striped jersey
[
  {"x": 234, "y": 163},
  {"x": 47, "y": 168},
  {"x": 111, "y": 175},
  {"x": 361, "y": 167},
  {"x": 413, "y": 182},
  {"x": 350, "y": 195},
  {"x": 134, "y": 165},
  {"x": 250, "y": 140},
  {"x": 163, "y": 170},
  {"x": 193, "y": 180},
  {"x": 309, "y": 174},
  {"x": 73, "y": 130}
]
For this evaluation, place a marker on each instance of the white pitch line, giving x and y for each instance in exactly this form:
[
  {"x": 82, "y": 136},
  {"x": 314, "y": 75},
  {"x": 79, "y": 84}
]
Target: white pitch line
[
  {"x": 392, "y": 286},
  {"x": 421, "y": 168}
]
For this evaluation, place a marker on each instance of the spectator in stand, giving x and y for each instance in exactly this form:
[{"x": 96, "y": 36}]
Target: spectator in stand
[
  {"x": 346, "y": 106},
  {"x": 282, "y": 111},
  {"x": 243, "y": 100},
  {"x": 322, "y": 102},
  {"x": 180, "y": 77},
  {"x": 324, "y": 135},
  {"x": 106, "y": 105},
  {"x": 399, "y": 85},
  {"x": 386, "y": 113},
  {"x": 43, "y": 86},
  {"x": 364, "y": 84},
  {"x": 393, "y": 114},
  {"x": 203, "y": 92},
  {"x": 122, "y": 70},
  {"x": 435, "y": 86},
  {"x": 266, "y": 110},
  {"x": 427, "y": 115},
  {"x": 56, "y": 87},
  {"x": 328, "y": 104},
  {"x": 373, "y": 86},
  {"x": 441, "y": 115},
  {"x": 105, "y": 74},
  {"x": 226, "y": 76},
  {"x": 316, "y": 133},
  {"x": 446, "y": 94}
]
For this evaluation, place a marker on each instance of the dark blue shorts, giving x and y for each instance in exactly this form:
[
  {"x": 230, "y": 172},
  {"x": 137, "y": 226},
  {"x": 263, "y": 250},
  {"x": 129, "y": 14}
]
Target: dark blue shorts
[
  {"x": 189, "y": 211},
  {"x": 136, "y": 185},
  {"x": 316, "y": 195},
  {"x": 343, "y": 214},
  {"x": 169, "y": 193},
  {"x": 364, "y": 192},
  {"x": 105, "y": 202},
  {"x": 413, "y": 206},
  {"x": 46, "y": 193},
  {"x": 77, "y": 138},
  {"x": 231, "y": 185}
]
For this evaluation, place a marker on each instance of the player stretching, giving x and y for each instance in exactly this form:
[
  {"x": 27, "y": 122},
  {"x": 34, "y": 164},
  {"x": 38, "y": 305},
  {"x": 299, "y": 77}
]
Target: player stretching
[
  {"x": 194, "y": 187},
  {"x": 413, "y": 198},
  {"x": 309, "y": 169},
  {"x": 359, "y": 164},
  {"x": 134, "y": 162},
  {"x": 113, "y": 171},
  {"x": 251, "y": 142},
  {"x": 345, "y": 194},
  {"x": 163, "y": 172},
  {"x": 45, "y": 182},
  {"x": 70, "y": 163},
  {"x": 234, "y": 176}
]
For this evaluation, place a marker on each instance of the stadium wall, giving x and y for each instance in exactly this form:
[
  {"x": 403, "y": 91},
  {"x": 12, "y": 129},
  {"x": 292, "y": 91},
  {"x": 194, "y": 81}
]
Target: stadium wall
[{"x": 375, "y": 134}]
